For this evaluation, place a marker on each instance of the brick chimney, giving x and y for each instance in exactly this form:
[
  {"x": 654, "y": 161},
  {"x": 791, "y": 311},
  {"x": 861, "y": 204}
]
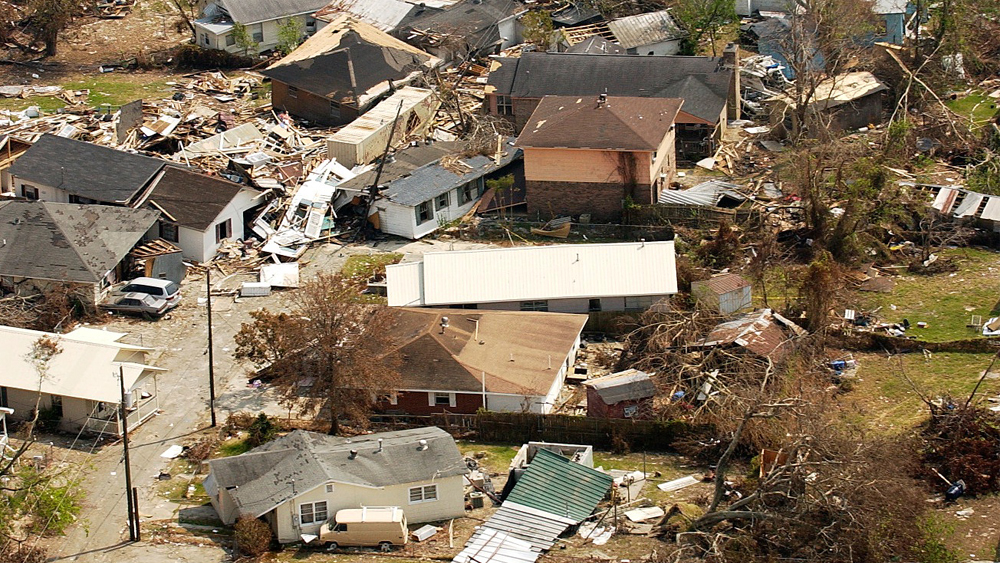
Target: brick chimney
[{"x": 731, "y": 60}]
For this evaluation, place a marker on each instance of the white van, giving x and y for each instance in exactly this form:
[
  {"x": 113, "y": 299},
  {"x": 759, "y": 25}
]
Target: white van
[{"x": 382, "y": 526}]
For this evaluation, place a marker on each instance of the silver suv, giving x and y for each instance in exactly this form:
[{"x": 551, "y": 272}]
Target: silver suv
[{"x": 160, "y": 289}]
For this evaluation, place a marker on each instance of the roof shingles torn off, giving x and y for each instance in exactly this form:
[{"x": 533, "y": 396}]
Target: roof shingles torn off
[
  {"x": 262, "y": 475},
  {"x": 85, "y": 169},
  {"x": 587, "y": 122}
]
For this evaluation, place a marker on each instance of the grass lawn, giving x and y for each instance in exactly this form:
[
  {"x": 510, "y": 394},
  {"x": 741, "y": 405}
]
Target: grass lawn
[
  {"x": 234, "y": 446},
  {"x": 977, "y": 106},
  {"x": 887, "y": 403},
  {"x": 945, "y": 301},
  {"x": 112, "y": 88}
]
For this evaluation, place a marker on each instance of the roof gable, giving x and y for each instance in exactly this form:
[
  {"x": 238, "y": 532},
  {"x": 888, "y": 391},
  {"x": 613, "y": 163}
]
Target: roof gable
[
  {"x": 254, "y": 11},
  {"x": 192, "y": 199},
  {"x": 618, "y": 123},
  {"x": 68, "y": 242},
  {"x": 85, "y": 169}
]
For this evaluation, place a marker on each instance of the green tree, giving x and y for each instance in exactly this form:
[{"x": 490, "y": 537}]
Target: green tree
[
  {"x": 48, "y": 18},
  {"x": 538, "y": 29},
  {"x": 700, "y": 18},
  {"x": 244, "y": 40},
  {"x": 289, "y": 35}
]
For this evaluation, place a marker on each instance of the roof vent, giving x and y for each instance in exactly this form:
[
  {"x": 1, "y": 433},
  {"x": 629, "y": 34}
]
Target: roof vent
[
  {"x": 602, "y": 99},
  {"x": 423, "y": 445},
  {"x": 354, "y": 454},
  {"x": 379, "y": 445}
]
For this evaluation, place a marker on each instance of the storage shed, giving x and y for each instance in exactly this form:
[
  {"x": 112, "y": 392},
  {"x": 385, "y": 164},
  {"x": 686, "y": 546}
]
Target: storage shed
[
  {"x": 365, "y": 138},
  {"x": 726, "y": 293},
  {"x": 627, "y": 394}
]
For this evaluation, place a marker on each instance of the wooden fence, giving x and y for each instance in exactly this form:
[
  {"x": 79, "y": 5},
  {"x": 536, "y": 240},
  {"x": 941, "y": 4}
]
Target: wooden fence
[
  {"x": 695, "y": 216},
  {"x": 517, "y": 428}
]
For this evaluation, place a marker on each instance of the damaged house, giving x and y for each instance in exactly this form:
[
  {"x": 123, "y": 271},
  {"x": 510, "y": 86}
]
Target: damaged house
[
  {"x": 564, "y": 278},
  {"x": 464, "y": 30},
  {"x": 762, "y": 333},
  {"x": 79, "y": 248},
  {"x": 297, "y": 482},
  {"x": 708, "y": 86},
  {"x": 342, "y": 71},
  {"x": 626, "y": 394},
  {"x": 589, "y": 155},
  {"x": 847, "y": 101},
  {"x": 262, "y": 18},
  {"x": 460, "y": 361}
]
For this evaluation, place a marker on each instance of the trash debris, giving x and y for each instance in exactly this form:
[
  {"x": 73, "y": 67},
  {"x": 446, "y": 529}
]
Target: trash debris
[{"x": 678, "y": 484}]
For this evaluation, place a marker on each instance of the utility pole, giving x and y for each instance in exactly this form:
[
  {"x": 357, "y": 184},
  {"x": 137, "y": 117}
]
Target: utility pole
[
  {"x": 133, "y": 510},
  {"x": 211, "y": 357}
]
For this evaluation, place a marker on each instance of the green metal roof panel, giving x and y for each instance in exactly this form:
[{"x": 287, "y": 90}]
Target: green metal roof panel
[{"x": 558, "y": 486}]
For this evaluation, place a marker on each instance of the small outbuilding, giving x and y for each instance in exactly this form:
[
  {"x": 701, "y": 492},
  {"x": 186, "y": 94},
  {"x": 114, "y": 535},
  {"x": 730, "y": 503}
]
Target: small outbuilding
[
  {"x": 626, "y": 394},
  {"x": 725, "y": 293}
]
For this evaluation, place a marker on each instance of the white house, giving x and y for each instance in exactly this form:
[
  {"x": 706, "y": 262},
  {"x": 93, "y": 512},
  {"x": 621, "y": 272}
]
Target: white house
[
  {"x": 263, "y": 18},
  {"x": 652, "y": 33},
  {"x": 198, "y": 211},
  {"x": 565, "y": 278},
  {"x": 299, "y": 481},
  {"x": 81, "y": 381}
]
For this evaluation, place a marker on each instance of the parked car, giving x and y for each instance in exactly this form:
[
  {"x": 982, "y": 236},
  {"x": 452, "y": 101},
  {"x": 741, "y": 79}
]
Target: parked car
[
  {"x": 160, "y": 289},
  {"x": 137, "y": 304},
  {"x": 382, "y": 526}
]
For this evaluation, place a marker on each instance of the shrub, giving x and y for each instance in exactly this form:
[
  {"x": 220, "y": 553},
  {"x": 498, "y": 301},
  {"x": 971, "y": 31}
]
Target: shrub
[
  {"x": 253, "y": 536},
  {"x": 261, "y": 431},
  {"x": 193, "y": 56}
]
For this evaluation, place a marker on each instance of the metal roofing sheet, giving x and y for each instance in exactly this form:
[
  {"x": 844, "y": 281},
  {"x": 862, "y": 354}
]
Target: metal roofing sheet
[
  {"x": 992, "y": 210},
  {"x": 705, "y": 194},
  {"x": 494, "y": 546},
  {"x": 558, "y": 486},
  {"x": 547, "y": 272},
  {"x": 383, "y": 14},
  {"x": 645, "y": 29},
  {"x": 969, "y": 205},
  {"x": 945, "y": 199},
  {"x": 628, "y": 385},
  {"x": 537, "y": 528}
]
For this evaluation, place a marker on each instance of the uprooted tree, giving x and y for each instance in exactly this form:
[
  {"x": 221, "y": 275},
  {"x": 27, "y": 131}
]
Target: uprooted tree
[{"x": 327, "y": 354}]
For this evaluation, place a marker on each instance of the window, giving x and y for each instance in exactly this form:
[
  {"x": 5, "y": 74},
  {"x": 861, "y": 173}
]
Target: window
[
  {"x": 30, "y": 192},
  {"x": 481, "y": 186},
  {"x": 224, "y": 230},
  {"x": 465, "y": 194},
  {"x": 441, "y": 399},
  {"x": 81, "y": 199},
  {"x": 423, "y": 212},
  {"x": 504, "y": 106},
  {"x": 425, "y": 493},
  {"x": 293, "y": 92},
  {"x": 329, "y": 487},
  {"x": 312, "y": 512},
  {"x": 640, "y": 303},
  {"x": 57, "y": 405},
  {"x": 334, "y": 110},
  {"x": 595, "y": 305},
  {"x": 441, "y": 202},
  {"x": 204, "y": 38},
  {"x": 230, "y": 40},
  {"x": 258, "y": 32},
  {"x": 534, "y": 305},
  {"x": 168, "y": 231}
]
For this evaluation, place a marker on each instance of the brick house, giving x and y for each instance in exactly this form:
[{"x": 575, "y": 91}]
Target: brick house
[
  {"x": 592, "y": 154},
  {"x": 459, "y": 361},
  {"x": 627, "y": 394}
]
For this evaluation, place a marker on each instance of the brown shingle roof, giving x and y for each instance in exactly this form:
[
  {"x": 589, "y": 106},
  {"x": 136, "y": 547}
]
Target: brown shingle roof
[{"x": 583, "y": 122}]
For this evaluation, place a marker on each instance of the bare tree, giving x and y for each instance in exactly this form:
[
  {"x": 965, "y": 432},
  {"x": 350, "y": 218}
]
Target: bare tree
[{"x": 328, "y": 353}]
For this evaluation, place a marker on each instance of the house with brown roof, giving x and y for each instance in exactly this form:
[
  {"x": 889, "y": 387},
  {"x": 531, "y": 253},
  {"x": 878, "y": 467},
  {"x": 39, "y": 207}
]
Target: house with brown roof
[
  {"x": 591, "y": 154},
  {"x": 626, "y": 394},
  {"x": 198, "y": 212},
  {"x": 725, "y": 293},
  {"x": 460, "y": 360}
]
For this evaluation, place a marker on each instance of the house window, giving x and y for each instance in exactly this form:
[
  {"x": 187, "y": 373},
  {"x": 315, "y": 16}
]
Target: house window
[
  {"x": 465, "y": 194},
  {"x": 534, "y": 305},
  {"x": 30, "y": 192},
  {"x": 258, "y": 32},
  {"x": 204, "y": 38},
  {"x": 640, "y": 303},
  {"x": 223, "y": 230},
  {"x": 230, "y": 40},
  {"x": 81, "y": 199},
  {"x": 481, "y": 186},
  {"x": 425, "y": 493},
  {"x": 442, "y": 399},
  {"x": 441, "y": 202},
  {"x": 293, "y": 92},
  {"x": 329, "y": 487},
  {"x": 168, "y": 231},
  {"x": 423, "y": 212},
  {"x": 594, "y": 306},
  {"x": 504, "y": 106},
  {"x": 312, "y": 512}
]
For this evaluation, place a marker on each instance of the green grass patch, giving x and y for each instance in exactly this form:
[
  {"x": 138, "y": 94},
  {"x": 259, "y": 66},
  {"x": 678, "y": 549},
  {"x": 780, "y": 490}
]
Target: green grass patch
[
  {"x": 977, "y": 107},
  {"x": 945, "y": 301},
  {"x": 498, "y": 456},
  {"x": 112, "y": 88},
  {"x": 362, "y": 267},
  {"x": 235, "y": 446},
  {"x": 891, "y": 404}
]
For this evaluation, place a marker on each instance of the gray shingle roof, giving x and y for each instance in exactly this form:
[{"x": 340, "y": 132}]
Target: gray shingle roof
[
  {"x": 254, "y": 11},
  {"x": 67, "y": 242},
  {"x": 193, "y": 200},
  {"x": 85, "y": 169},
  {"x": 700, "y": 81},
  {"x": 265, "y": 474},
  {"x": 646, "y": 29},
  {"x": 629, "y": 385}
]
